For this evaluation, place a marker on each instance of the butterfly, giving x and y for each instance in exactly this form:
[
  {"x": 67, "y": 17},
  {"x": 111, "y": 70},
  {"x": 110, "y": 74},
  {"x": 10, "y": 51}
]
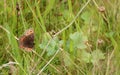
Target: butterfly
[{"x": 26, "y": 41}]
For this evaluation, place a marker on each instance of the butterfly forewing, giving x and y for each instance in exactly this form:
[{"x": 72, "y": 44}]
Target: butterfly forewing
[{"x": 27, "y": 40}]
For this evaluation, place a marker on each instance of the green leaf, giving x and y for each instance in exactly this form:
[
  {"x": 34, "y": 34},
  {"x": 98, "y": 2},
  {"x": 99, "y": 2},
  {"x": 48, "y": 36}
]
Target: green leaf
[
  {"x": 110, "y": 34},
  {"x": 96, "y": 56},
  {"x": 67, "y": 59},
  {"x": 86, "y": 16},
  {"x": 53, "y": 46},
  {"x": 85, "y": 56},
  {"x": 79, "y": 40},
  {"x": 46, "y": 38}
]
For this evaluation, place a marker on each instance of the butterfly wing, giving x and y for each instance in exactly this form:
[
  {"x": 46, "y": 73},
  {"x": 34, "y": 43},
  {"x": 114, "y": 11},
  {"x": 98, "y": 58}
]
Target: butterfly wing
[{"x": 27, "y": 41}]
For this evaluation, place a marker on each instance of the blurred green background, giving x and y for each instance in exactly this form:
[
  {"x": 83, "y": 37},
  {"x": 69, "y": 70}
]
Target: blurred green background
[{"x": 72, "y": 37}]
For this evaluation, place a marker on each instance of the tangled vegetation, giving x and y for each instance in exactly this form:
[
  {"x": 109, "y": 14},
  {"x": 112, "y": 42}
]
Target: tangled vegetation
[{"x": 71, "y": 37}]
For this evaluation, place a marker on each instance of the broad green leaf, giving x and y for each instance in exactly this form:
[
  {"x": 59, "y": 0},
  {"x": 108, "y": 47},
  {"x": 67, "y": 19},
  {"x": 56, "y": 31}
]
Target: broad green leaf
[
  {"x": 86, "y": 16},
  {"x": 110, "y": 34},
  {"x": 96, "y": 56},
  {"x": 85, "y": 56},
  {"x": 46, "y": 38},
  {"x": 67, "y": 59},
  {"x": 52, "y": 47},
  {"x": 79, "y": 40}
]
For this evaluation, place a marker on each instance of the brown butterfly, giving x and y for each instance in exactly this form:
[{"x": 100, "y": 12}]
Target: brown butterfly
[{"x": 26, "y": 41}]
